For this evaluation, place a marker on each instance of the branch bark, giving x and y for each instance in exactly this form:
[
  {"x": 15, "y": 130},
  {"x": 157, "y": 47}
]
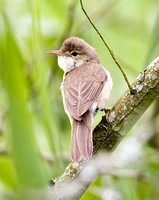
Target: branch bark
[{"x": 110, "y": 131}]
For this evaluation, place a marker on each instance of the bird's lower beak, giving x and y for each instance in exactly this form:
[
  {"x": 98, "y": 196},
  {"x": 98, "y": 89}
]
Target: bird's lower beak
[{"x": 56, "y": 52}]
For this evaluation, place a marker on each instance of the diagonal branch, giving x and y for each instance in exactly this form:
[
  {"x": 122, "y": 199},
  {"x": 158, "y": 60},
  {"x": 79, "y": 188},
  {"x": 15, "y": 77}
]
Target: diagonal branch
[{"x": 109, "y": 133}]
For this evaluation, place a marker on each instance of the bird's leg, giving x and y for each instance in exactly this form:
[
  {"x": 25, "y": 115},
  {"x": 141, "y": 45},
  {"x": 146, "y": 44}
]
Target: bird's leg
[{"x": 105, "y": 109}]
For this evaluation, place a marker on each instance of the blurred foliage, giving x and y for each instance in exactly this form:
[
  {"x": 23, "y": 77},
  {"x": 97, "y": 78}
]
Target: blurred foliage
[{"x": 34, "y": 130}]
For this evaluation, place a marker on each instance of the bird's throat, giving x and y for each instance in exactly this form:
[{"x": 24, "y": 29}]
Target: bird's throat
[{"x": 66, "y": 63}]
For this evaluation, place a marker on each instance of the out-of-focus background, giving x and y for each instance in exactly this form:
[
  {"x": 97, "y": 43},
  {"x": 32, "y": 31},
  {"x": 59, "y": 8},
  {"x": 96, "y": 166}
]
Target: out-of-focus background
[{"x": 34, "y": 129}]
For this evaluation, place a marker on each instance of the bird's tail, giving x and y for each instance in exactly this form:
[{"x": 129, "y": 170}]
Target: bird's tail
[{"x": 81, "y": 144}]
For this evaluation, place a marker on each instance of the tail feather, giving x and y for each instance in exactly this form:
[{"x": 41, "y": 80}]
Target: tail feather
[
  {"x": 75, "y": 153},
  {"x": 90, "y": 145},
  {"x": 82, "y": 138}
]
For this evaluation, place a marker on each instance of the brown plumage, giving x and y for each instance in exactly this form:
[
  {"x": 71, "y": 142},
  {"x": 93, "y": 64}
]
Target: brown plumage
[{"x": 86, "y": 87}]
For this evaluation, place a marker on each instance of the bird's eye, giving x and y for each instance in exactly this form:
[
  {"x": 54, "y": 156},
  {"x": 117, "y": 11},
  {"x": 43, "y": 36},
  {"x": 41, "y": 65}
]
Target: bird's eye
[{"x": 74, "y": 53}]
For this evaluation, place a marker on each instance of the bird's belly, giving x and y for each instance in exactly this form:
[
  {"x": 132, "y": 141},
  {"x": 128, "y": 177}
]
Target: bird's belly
[{"x": 104, "y": 95}]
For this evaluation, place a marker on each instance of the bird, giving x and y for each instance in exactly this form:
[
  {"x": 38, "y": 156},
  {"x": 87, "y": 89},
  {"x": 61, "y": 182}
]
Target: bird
[{"x": 85, "y": 90}]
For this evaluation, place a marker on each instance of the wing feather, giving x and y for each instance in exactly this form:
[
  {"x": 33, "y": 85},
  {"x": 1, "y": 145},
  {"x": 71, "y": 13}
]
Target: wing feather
[
  {"x": 85, "y": 101},
  {"x": 84, "y": 89}
]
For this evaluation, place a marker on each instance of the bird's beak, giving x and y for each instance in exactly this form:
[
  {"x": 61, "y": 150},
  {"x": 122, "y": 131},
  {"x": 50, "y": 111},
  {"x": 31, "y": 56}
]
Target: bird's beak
[{"x": 57, "y": 52}]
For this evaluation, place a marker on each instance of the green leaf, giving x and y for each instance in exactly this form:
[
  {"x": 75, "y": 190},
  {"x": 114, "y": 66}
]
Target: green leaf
[{"x": 29, "y": 168}]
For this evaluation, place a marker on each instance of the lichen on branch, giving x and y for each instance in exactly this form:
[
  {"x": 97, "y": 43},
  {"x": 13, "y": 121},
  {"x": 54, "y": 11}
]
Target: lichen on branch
[{"x": 128, "y": 109}]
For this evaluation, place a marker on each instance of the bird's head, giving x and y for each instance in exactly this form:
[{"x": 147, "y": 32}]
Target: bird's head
[{"x": 74, "y": 53}]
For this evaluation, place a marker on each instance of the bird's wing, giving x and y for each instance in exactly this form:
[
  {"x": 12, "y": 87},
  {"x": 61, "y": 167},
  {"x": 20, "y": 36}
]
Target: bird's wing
[{"x": 80, "y": 97}]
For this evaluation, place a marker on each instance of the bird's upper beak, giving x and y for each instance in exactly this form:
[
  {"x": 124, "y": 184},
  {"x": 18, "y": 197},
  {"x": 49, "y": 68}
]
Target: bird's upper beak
[{"x": 58, "y": 53}]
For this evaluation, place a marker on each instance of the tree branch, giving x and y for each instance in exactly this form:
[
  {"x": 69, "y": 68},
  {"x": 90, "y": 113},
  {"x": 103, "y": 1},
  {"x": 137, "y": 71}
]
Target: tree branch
[{"x": 108, "y": 133}]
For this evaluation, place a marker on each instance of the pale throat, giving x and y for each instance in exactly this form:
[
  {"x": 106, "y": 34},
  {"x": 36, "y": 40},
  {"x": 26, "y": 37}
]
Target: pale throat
[{"x": 67, "y": 63}]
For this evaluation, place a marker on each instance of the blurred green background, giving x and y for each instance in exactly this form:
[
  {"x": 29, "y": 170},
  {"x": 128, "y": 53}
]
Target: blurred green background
[{"x": 34, "y": 129}]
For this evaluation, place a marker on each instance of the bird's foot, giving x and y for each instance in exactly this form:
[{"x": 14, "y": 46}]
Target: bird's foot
[{"x": 107, "y": 111}]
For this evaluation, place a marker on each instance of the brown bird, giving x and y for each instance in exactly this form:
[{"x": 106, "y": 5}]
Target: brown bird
[{"x": 85, "y": 89}]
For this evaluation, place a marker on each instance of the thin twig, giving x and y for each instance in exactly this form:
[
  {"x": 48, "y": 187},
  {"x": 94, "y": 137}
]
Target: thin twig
[
  {"x": 108, "y": 47},
  {"x": 103, "y": 9}
]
